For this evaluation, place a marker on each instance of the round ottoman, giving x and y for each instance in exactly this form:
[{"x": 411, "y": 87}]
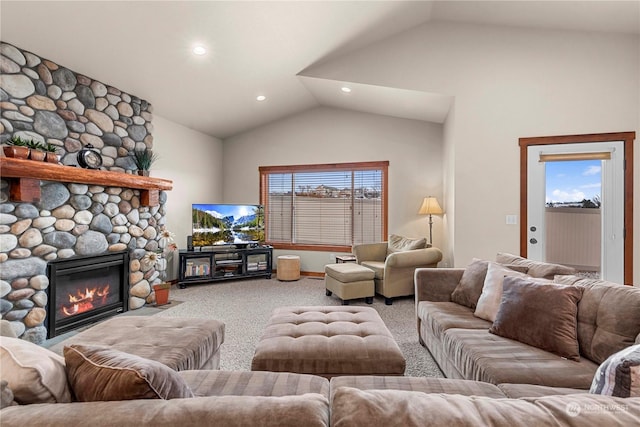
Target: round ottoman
[{"x": 288, "y": 267}]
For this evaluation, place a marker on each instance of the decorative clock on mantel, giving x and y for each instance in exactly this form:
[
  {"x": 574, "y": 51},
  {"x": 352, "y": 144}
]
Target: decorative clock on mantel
[{"x": 89, "y": 158}]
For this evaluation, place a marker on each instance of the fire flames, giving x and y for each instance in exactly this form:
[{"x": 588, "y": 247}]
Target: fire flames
[{"x": 85, "y": 301}]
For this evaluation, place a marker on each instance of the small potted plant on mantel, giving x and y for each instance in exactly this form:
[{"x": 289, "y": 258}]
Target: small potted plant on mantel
[
  {"x": 16, "y": 148},
  {"x": 35, "y": 151},
  {"x": 51, "y": 153},
  {"x": 144, "y": 158}
]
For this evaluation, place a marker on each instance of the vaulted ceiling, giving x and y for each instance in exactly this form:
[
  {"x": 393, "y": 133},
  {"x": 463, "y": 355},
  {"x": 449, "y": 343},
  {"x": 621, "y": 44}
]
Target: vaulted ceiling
[{"x": 261, "y": 48}]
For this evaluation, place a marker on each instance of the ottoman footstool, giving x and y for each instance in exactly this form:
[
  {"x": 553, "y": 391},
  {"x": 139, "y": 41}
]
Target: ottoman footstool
[
  {"x": 180, "y": 343},
  {"x": 349, "y": 281},
  {"x": 328, "y": 341}
]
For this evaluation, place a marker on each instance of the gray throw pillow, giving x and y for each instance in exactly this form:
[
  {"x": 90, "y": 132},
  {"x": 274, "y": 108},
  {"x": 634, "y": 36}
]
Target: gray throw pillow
[
  {"x": 543, "y": 315},
  {"x": 469, "y": 289},
  {"x": 98, "y": 373},
  {"x": 539, "y": 269}
]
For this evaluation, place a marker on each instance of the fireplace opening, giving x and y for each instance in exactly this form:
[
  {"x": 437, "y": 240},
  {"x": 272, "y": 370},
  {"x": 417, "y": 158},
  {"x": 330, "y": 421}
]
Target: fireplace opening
[{"x": 86, "y": 289}]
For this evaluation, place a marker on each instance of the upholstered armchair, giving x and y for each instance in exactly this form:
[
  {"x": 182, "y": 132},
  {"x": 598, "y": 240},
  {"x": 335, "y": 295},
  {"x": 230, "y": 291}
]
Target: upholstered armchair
[{"x": 394, "y": 263}]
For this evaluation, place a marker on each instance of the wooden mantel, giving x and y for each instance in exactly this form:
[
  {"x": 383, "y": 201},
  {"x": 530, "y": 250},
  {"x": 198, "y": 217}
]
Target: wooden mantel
[{"x": 24, "y": 179}]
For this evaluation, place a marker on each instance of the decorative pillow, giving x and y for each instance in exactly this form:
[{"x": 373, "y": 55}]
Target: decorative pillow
[
  {"x": 470, "y": 286},
  {"x": 619, "y": 375},
  {"x": 541, "y": 315},
  {"x": 540, "y": 269},
  {"x": 400, "y": 244},
  {"x": 489, "y": 301},
  {"x": 101, "y": 373},
  {"x": 33, "y": 373}
]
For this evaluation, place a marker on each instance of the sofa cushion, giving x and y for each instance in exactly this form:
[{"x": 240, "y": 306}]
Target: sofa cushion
[
  {"x": 489, "y": 301},
  {"x": 541, "y": 315},
  {"x": 309, "y": 410},
  {"x": 619, "y": 375},
  {"x": 608, "y": 318},
  {"x": 440, "y": 316},
  {"x": 517, "y": 391},
  {"x": 535, "y": 268},
  {"x": 33, "y": 373},
  {"x": 101, "y": 373},
  {"x": 422, "y": 384},
  {"x": 470, "y": 286},
  {"x": 253, "y": 383},
  {"x": 400, "y": 244},
  {"x": 482, "y": 356},
  {"x": 353, "y": 407}
]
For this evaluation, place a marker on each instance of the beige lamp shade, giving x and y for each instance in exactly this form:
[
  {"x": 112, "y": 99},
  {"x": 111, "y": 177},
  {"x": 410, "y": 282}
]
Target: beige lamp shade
[{"x": 430, "y": 206}]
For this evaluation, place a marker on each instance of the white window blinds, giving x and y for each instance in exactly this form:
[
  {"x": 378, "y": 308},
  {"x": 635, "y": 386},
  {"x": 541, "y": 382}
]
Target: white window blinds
[{"x": 325, "y": 205}]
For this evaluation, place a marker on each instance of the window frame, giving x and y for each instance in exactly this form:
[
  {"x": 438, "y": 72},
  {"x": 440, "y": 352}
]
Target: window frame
[{"x": 265, "y": 171}]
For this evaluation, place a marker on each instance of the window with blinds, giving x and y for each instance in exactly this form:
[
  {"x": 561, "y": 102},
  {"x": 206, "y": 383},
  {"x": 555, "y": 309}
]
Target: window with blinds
[{"x": 333, "y": 206}]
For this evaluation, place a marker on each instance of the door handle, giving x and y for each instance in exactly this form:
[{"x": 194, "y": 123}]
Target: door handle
[{"x": 533, "y": 241}]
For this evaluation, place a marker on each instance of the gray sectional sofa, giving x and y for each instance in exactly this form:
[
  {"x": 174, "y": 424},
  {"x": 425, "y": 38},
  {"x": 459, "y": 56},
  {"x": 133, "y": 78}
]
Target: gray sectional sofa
[
  {"x": 608, "y": 320},
  {"x": 530, "y": 386},
  {"x": 283, "y": 399}
]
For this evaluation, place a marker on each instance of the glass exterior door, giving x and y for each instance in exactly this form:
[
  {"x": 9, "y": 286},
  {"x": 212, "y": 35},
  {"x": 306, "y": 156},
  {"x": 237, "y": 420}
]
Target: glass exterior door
[{"x": 575, "y": 207}]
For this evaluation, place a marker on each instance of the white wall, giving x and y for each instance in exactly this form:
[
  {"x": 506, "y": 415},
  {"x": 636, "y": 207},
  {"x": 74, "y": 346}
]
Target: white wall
[
  {"x": 193, "y": 161},
  {"x": 508, "y": 83},
  {"x": 326, "y": 135}
]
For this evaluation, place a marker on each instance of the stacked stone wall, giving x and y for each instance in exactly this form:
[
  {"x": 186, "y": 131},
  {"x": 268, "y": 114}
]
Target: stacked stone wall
[{"x": 47, "y": 102}]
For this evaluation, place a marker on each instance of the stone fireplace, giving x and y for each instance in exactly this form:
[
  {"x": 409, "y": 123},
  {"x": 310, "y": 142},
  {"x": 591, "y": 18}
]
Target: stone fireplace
[{"x": 51, "y": 212}]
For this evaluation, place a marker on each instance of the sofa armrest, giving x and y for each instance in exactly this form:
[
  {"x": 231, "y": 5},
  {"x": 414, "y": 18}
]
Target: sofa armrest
[
  {"x": 436, "y": 284},
  {"x": 370, "y": 252},
  {"x": 414, "y": 258}
]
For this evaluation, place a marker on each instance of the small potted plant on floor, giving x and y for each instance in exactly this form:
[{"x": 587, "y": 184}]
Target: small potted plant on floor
[
  {"x": 17, "y": 148},
  {"x": 51, "y": 152},
  {"x": 36, "y": 153},
  {"x": 143, "y": 160},
  {"x": 157, "y": 261},
  {"x": 162, "y": 293}
]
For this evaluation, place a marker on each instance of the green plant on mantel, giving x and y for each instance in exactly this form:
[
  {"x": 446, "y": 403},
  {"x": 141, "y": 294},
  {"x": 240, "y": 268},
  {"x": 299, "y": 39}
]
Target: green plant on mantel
[
  {"x": 35, "y": 145},
  {"x": 49, "y": 148},
  {"x": 16, "y": 148},
  {"x": 144, "y": 159},
  {"x": 16, "y": 141}
]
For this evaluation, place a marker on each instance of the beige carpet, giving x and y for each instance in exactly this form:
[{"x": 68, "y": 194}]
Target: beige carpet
[{"x": 246, "y": 305}]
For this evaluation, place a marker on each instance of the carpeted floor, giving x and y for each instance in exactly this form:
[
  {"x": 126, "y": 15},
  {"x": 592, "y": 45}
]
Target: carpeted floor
[{"x": 246, "y": 305}]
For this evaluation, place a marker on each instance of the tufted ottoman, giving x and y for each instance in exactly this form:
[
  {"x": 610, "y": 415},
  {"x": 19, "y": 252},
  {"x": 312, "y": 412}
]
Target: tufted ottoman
[
  {"x": 179, "y": 343},
  {"x": 328, "y": 341},
  {"x": 349, "y": 281}
]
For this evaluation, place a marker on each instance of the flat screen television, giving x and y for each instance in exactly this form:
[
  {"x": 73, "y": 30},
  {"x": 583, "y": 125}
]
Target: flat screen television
[{"x": 227, "y": 224}]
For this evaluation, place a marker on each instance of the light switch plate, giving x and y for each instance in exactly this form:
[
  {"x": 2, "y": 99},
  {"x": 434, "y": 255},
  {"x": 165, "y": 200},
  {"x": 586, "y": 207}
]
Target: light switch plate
[{"x": 512, "y": 219}]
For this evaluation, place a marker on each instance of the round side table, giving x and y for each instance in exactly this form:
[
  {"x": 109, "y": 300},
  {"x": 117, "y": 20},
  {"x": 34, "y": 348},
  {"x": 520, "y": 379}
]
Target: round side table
[{"x": 288, "y": 268}]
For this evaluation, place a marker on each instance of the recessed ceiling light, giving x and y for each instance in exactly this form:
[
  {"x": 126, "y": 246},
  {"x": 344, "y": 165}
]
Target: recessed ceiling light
[
  {"x": 260, "y": 98},
  {"x": 199, "y": 50},
  {"x": 345, "y": 89}
]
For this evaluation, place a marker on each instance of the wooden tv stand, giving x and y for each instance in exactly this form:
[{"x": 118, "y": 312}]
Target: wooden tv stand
[{"x": 224, "y": 263}]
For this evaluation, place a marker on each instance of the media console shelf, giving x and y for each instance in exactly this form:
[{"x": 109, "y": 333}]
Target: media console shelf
[{"x": 224, "y": 263}]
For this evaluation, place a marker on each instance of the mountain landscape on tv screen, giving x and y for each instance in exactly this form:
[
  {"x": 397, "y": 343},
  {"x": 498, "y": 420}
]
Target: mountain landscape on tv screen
[{"x": 217, "y": 224}]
